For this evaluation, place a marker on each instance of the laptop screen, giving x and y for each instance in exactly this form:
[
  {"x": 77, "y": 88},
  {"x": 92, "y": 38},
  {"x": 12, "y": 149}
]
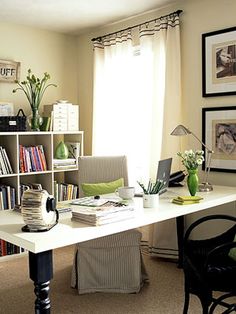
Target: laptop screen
[{"x": 163, "y": 172}]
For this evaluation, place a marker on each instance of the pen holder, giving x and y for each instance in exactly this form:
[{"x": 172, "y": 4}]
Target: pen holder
[{"x": 150, "y": 200}]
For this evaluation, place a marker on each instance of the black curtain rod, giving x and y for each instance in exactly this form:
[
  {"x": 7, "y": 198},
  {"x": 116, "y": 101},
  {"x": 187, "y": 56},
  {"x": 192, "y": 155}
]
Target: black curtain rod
[{"x": 137, "y": 25}]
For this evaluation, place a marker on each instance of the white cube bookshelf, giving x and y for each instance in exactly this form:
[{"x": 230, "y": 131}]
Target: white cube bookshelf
[
  {"x": 11, "y": 141},
  {"x": 49, "y": 140}
]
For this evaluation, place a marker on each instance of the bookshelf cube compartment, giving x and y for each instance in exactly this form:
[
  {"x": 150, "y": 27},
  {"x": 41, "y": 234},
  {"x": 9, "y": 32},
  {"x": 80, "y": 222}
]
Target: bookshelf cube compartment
[
  {"x": 8, "y": 192},
  {"x": 9, "y": 144},
  {"x": 35, "y": 153},
  {"x": 38, "y": 180}
]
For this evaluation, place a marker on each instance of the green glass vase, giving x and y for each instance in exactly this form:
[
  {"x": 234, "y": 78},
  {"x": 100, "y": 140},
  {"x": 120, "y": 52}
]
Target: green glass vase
[
  {"x": 62, "y": 151},
  {"x": 35, "y": 120},
  {"x": 192, "y": 181}
]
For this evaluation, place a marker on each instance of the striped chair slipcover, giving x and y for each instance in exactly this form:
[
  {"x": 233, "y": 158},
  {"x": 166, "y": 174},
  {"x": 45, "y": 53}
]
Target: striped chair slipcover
[{"x": 112, "y": 263}]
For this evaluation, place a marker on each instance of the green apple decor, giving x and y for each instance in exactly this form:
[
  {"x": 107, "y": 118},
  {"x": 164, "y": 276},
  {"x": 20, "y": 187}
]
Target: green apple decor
[{"x": 62, "y": 151}]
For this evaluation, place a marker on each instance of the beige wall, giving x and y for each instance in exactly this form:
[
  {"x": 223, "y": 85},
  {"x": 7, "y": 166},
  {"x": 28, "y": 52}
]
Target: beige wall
[
  {"x": 60, "y": 55},
  {"x": 42, "y": 51},
  {"x": 198, "y": 17}
]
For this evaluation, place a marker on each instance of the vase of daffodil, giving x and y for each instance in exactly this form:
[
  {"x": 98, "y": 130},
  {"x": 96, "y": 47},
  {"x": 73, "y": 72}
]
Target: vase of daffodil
[
  {"x": 192, "y": 160},
  {"x": 34, "y": 89}
]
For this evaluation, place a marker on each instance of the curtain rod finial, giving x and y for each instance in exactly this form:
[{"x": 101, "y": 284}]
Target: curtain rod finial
[{"x": 179, "y": 12}]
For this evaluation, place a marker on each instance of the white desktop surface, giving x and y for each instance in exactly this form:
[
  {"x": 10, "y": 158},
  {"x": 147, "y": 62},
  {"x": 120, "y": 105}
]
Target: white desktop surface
[{"x": 68, "y": 232}]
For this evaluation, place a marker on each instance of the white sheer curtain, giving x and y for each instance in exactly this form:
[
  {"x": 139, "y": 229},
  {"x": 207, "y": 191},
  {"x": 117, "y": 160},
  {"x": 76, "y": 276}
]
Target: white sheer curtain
[
  {"x": 121, "y": 113},
  {"x": 137, "y": 103},
  {"x": 160, "y": 50}
]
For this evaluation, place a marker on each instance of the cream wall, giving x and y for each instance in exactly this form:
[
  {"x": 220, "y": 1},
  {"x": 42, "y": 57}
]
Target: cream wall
[
  {"x": 42, "y": 51},
  {"x": 198, "y": 17},
  {"x": 61, "y": 55}
]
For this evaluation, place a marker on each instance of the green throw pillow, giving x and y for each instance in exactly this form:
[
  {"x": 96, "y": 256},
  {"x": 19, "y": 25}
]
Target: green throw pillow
[
  {"x": 232, "y": 252},
  {"x": 92, "y": 189}
]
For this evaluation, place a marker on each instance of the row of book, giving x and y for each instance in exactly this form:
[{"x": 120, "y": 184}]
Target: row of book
[
  {"x": 32, "y": 158},
  {"x": 7, "y": 197},
  {"x": 7, "y": 248},
  {"x": 65, "y": 191},
  {"x": 5, "y": 165}
]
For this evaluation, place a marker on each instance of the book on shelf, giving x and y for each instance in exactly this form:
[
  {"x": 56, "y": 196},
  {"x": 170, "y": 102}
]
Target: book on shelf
[
  {"x": 21, "y": 161},
  {"x": 42, "y": 157},
  {"x": 5, "y": 166},
  {"x": 32, "y": 158},
  {"x": 64, "y": 163},
  {"x": 7, "y": 197},
  {"x": 38, "y": 162},
  {"x": 65, "y": 167},
  {"x": 7, "y": 248},
  {"x": 65, "y": 191},
  {"x": 109, "y": 212},
  {"x": 3, "y": 248},
  {"x": 68, "y": 161},
  {"x": 2, "y": 164},
  {"x": 45, "y": 126},
  {"x": 6, "y": 161}
]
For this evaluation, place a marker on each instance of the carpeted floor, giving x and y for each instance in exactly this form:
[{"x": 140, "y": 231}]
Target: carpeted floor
[{"x": 163, "y": 294}]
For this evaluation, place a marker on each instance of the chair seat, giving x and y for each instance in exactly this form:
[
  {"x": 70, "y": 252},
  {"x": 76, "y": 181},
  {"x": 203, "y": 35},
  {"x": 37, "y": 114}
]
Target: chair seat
[
  {"x": 99, "y": 264},
  {"x": 209, "y": 268},
  {"x": 218, "y": 275}
]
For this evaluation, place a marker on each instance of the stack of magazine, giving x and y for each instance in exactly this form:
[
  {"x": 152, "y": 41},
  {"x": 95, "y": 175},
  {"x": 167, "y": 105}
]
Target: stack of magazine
[
  {"x": 64, "y": 163},
  {"x": 105, "y": 213}
]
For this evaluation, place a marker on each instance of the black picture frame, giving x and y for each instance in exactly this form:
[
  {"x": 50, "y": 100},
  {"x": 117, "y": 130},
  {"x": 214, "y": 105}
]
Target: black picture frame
[
  {"x": 219, "y": 135},
  {"x": 219, "y": 63}
]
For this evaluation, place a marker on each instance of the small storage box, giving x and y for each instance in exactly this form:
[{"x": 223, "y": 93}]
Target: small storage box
[{"x": 13, "y": 123}]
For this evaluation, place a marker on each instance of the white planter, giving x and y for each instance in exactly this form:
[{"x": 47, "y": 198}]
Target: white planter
[{"x": 150, "y": 200}]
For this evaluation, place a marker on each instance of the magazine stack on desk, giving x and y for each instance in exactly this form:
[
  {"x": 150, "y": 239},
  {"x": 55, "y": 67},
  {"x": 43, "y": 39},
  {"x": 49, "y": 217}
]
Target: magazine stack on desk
[{"x": 100, "y": 215}]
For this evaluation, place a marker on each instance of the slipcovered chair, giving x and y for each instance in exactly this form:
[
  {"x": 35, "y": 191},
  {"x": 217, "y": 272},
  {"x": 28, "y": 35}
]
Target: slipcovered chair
[
  {"x": 210, "y": 266},
  {"x": 112, "y": 263}
]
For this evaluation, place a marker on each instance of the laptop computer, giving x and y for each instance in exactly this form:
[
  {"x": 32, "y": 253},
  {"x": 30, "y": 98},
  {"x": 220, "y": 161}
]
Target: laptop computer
[{"x": 163, "y": 174}]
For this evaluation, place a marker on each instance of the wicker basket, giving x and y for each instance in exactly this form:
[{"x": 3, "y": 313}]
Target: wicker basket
[{"x": 13, "y": 123}]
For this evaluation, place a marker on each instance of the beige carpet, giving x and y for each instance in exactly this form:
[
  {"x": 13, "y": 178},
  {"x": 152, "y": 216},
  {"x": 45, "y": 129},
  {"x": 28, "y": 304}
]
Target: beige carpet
[{"x": 163, "y": 295}]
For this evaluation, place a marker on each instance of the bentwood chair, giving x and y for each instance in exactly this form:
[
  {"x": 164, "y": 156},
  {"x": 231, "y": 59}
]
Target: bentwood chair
[
  {"x": 112, "y": 263},
  {"x": 210, "y": 267}
]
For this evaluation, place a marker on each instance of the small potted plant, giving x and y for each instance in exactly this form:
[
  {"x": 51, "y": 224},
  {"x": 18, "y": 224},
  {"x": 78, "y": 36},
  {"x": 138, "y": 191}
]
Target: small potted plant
[{"x": 151, "y": 193}]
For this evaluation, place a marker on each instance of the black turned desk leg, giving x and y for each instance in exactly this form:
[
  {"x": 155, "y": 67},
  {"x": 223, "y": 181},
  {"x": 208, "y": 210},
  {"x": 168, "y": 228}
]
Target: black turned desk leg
[
  {"x": 180, "y": 237},
  {"x": 41, "y": 272}
]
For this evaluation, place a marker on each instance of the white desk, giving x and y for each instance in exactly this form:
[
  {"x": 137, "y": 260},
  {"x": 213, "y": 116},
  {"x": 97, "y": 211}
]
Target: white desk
[{"x": 67, "y": 232}]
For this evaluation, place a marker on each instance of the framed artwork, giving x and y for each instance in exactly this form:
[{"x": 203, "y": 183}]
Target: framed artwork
[
  {"x": 9, "y": 71},
  {"x": 219, "y": 134},
  {"x": 219, "y": 63}
]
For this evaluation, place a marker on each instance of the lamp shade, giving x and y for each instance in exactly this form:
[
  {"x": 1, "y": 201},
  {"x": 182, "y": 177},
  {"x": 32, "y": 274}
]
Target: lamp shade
[{"x": 180, "y": 130}]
